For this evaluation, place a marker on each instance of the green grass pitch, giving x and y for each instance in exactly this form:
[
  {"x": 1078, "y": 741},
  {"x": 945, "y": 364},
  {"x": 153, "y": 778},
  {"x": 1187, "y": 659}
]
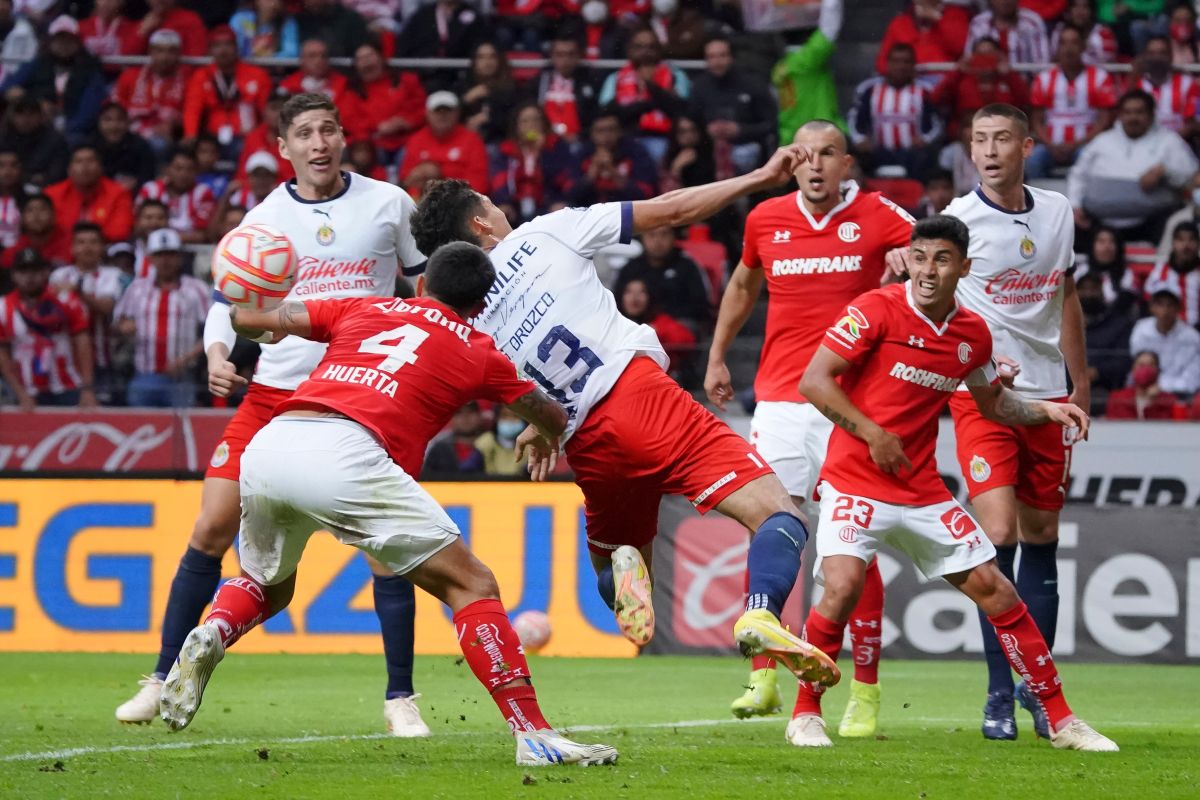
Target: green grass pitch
[{"x": 310, "y": 727}]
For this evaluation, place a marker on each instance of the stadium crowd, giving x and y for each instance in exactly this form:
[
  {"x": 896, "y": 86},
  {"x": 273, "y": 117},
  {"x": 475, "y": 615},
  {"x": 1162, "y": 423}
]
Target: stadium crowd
[{"x": 115, "y": 181}]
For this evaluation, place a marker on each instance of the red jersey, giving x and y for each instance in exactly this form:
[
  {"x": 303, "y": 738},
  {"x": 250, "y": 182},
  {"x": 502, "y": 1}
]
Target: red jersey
[
  {"x": 225, "y": 107},
  {"x": 813, "y": 268},
  {"x": 40, "y": 338},
  {"x": 905, "y": 368},
  {"x": 401, "y": 368},
  {"x": 115, "y": 37},
  {"x": 151, "y": 100},
  {"x": 385, "y": 98},
  {"x": 460, "y": 155},
  {"x": 332, "y": 86},
  {"x": 1072, "y": 106},
  {"x": 187, "y": 212}
]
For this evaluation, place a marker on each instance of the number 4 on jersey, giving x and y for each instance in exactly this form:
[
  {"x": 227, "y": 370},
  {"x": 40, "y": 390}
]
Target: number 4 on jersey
[{"x": 399, "y": 345}]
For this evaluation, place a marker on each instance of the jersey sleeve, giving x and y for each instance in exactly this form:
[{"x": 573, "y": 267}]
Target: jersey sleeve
[
  {"x": 77, "y": 314},
  {"x": 858, "y": 328},
  {"x": 750, "y": 255},
  {"x": 983, "y": 372},
  {"x": 586, "y": 230},
  {"x": 500, "y": 380},
  {"x": 896, "y": 224},
  {"x": 324, "y": 315}
]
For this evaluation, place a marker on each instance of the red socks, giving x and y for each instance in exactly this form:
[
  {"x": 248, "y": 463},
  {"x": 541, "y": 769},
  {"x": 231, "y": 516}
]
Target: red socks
[
  {"x": 1026, "y": 650},
  {"x": 826, "y": 636},
  {"x": 866, "y": 627},
  {"x": 495, "y": 655},
  {"x": 240, "y": 604}
]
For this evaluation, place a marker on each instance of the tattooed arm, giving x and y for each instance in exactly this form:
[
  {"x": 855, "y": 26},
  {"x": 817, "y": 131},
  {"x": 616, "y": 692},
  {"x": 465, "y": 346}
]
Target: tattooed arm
[
  {"x": 820, "y": 386},
  {"x": 288, "y": 318},
  {"x": 1011, "y": 408},
  {"x": 547, "y": 421}
]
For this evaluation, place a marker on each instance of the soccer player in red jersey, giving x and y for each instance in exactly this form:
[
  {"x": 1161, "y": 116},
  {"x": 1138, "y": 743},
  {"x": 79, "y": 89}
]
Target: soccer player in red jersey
[
  {"x": 817, "y": 249},
  {"x": 340, "y": 455},
  {"x": 886, "y": 369}
]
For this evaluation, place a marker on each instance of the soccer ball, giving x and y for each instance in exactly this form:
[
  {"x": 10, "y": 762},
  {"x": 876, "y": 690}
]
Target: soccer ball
[
  {"x": 533, "y": 628},
  {"x": 254, "y": 267}
]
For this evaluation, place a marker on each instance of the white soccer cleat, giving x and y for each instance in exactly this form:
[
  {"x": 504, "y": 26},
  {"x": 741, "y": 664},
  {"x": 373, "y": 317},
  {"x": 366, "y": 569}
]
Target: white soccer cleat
[
  {"x": 142, "y": 708},
  {"x": 404, "y": 718},
  {"x": 808, "y": 730},
  {"x": 1078, "y": 735},
  {"x": 184, "y": 687},
  {"x": 549, "y": 748}
]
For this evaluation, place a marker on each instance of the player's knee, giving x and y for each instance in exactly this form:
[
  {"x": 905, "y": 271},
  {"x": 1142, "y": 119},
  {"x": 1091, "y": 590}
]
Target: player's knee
[
  {"x": 841, "y": 593},
  {"x": 213, "y": 533},
  {"x": 993, "y": 592},
  {"x": 483, "y": 583}
]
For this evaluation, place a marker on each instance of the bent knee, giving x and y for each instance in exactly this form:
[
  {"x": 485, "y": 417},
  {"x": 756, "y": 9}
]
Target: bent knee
[{"x": 213, "y": 534}]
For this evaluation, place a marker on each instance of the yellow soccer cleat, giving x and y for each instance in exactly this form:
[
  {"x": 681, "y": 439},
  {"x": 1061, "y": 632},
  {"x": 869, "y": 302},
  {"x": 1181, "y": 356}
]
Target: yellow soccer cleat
[
  {"x": 759, "y": 632},
  {"x": 761, "y": 697},
  {"x": 862, "y": 711},
  {"x": 633, "y": 604}
]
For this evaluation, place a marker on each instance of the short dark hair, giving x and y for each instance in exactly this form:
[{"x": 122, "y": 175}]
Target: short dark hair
[
  {"x": 81, "y": 147},
  {"x": 459, "y": 274},
  {"x": 1007, "y": 112},
  {"x": 186, "y": 152},
  {"x": 898, "y": 46},
  {"x": 1138, "y": 94},
  {"x": 719, "y": 37},
  {"x": 444, "y": 215},
  {"x": 87, "y": 227},
  {"x": 939, "y": 176},
  {"x": 1187, "y": 226},
  {"x": 1071, "y": 26},
  {"x": 1166, "y": 294},
  {"x": 151, "y": 203},
  {"x": 37, "y": 198},
  {"x": 300, "y": 103},
  {"x": 943, "y": 226},
  {"x": 1150, "y": 353}
]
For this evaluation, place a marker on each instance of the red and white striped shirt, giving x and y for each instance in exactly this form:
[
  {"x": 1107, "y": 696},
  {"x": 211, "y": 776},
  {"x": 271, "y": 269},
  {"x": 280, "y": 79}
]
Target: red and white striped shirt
[
  {"x": 1072, "y": 105},
  {"x": 893, "y": 118},
  {"x": 10, "y": 221},
  {"x": 1186, "y": 285},
  {"x": 1175, "y": 100},
  {"x": 40, "y": 338},
  {"x": 168, "y": 320},
  {"x": 1099, "y": 49},
  {"x": 1025, "y": 44},
  {"x": 102, "y": 282},
  {"x": 187, "y": 212},
  {"x": 245, "y": 198}
]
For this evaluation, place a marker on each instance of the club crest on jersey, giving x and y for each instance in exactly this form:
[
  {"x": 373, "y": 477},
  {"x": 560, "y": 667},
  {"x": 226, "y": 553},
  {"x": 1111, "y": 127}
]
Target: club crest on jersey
[
  {"x": 851, "y": 326},
  {"x": 980, "y": 469},
  {"x": 848, "y": 534},
  {"x": 964, "y": 352},
  {"x": 849, "y": 232},
  {"x": 325, "y": 234},
  {"x": 220, "y": 455},
  {"x": 1028, "y": 248}
]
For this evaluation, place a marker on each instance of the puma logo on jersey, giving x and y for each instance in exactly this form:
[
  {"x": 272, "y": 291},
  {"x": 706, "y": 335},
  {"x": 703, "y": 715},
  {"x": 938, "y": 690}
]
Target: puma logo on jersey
[
  {"x": 923, "y": 377},
  {"x": 818, "y": 265}
]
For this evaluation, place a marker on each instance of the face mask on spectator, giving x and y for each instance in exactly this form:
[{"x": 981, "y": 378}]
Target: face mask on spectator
[
  {"x": 1144, "y": 376},
  {"x": 509, "y": 429},
  {"x": 1181, "y": 32},
  {"x": 594, "y": 12},
  {"x": 665, "y": 7},
  {"x": 1196, "y": 196}
]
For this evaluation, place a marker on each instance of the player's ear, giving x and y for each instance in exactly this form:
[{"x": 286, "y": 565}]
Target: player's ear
[
  {"x": 966, "y": 267},
  {"x": 282, "y": 146},
  {"x": 1027, "y": 146}
]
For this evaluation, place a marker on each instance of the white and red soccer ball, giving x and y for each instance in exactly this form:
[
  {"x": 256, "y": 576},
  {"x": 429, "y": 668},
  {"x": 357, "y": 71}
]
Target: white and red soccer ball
[
  {"x": 533, "y": 629},
  {"x": 254, "y": 267}
]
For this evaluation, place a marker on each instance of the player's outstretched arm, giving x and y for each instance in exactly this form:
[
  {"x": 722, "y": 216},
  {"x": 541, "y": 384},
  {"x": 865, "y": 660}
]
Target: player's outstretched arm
[
  {"x": 736, "y": 305},
  {"x": 822, "y": 389},
  {"x": 696, "y": 203},
  {"x": 288, "y": 318},
  {"x": 547, "y": 421},
  {"x": 1007, "y": 407}
]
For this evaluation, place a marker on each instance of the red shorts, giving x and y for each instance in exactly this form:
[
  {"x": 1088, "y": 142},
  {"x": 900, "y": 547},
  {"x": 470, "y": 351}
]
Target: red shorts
[
  {"x": 1036, "y": 459},
  {"x": 256, "y": 410},
  {"x": 649, "y": 438}
]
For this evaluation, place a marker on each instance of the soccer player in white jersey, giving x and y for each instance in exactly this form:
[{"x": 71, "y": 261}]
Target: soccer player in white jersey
[
  {"x": 634, "y": 434},
  {"x": 351, "y": 235},
  {"x": 1022, "y": 257}
]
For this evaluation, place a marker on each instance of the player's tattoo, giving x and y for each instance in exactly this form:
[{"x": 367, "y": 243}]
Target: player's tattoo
[
  {"x": 537, "y": 408},
  {"x": 289, "y": 314},
  {"x": 1013, "y": 409},
  {"x": 839, "y": 420}
]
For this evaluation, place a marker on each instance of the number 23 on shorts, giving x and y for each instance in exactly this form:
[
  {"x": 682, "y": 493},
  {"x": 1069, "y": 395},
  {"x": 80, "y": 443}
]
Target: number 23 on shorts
[{"x": 851, "y": 509}]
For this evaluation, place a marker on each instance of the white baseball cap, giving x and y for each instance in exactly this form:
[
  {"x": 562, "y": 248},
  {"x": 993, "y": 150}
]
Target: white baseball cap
[
  {"x": 164, "y": 240},
  {"x": 442, "y": 99},
  {"x": 261, "y": 159},
  {"x": 165, "y": 37},
  {"x": 64, "y": 24}
]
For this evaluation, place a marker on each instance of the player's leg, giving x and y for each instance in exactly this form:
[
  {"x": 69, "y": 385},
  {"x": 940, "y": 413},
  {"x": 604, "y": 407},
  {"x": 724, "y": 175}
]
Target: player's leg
[
  {"x": 625, "y": 581},
  {"x": 1028, "y": 654},
  {"x": 396, "y": 607},
  {"x": 861, "y": 716}
]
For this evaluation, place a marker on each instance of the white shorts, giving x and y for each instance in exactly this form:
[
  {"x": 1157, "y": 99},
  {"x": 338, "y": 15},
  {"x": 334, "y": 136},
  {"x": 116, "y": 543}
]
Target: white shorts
[
  {"x": 793, "y": 438},
  {"x": 941, "y": 539},
  {"x": 304, "y": 474}
]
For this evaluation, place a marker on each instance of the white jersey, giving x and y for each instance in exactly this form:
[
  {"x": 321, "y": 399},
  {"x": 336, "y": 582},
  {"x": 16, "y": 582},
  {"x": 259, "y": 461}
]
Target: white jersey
[
  {"x": 550, "y": 314},
  {"x": 1019, "y": 265},
  {"x": 351, "y": 245}
]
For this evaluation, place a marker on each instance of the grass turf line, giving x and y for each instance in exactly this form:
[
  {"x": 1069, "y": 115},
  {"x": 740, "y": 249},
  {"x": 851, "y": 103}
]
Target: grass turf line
[{"x": 275, "y": 725}]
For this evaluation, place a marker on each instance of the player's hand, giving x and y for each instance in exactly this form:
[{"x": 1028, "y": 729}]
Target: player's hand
[
  {"x": 1081, "y": 398},
  {"x": 542, "y": 453},
  {"x": 887, "y": 451},
  {"x": 783, "y": 164},
  {"x": 223, "y": 377},
  {"x": 1071, "y": 417},
  {"x": 896, "y": 262},
  {"x": 1007, "y": 369},
  {"x": 717, "y": 384}
]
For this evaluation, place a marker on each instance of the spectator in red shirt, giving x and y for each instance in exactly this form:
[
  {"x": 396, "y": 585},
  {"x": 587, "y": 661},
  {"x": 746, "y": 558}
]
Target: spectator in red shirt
[
  {"x": 45, "y": 347},
  {"x": 154, "y": 93},
  {"x": 936, "y": 30},
  {"x": 163, "y": 15},
  {"x": 40, "y": 231},
  {"x": 382, "y": 106},
  {"x": 107, "y": 33},
  {"x": 614, "y": 167},
  {"x": 315, "y": 75},
  {"x": 566, "y": 89},
  {"x": 226, "y": 97},
  {"x": 189, "y": 202},
  {"x": 87, "y": 196},
  {"x": 534, "y": 169},
  {"x": 264, "y": 139},
  {"x": 1144, "y": 399},
  {"x": 444, "y": 149},
  {"x": 647, "y": 92},
  {"x": 981, "y": 79},
  {"x": 638, "y": 304}
]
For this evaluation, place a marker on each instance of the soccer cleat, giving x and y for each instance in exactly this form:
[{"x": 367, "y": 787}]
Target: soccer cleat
[
  {"x": 549, "y": 748},
  {"x": 142, "y": 708},
  {"x": 184, "y": 687},
  {"x": 1030, "y": 702},
  {"x": 633, "y": 605},
  {"x": 1078, "y": 735},
  {"x": 808, "y": 730},
  {"x": 761, "y": 696},
  {"x": 759, "y": 632},
  {"x": 404, "y": 718},
  {"x": 998, "y": 721},
  {"x": 862, "y": 712}
]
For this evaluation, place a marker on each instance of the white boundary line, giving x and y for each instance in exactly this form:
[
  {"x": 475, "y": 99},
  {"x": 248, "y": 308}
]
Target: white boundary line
[{"x": 73, "y": 752}]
